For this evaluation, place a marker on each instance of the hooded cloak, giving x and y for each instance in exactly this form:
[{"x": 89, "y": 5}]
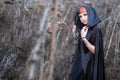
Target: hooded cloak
[{"x": 89, "y": 66}]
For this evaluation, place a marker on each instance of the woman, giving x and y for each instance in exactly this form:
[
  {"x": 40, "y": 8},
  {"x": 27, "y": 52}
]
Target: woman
[{"x": 89, "y": 63}]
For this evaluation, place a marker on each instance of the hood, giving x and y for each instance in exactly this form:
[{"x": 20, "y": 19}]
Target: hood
[{"x": 93, "y": 18}]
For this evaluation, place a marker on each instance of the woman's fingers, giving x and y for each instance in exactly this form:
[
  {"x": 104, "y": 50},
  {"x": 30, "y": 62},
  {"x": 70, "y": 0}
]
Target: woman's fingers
[
  {"x": 74, "y": 29},
  {"x": 84, "y": 31}
]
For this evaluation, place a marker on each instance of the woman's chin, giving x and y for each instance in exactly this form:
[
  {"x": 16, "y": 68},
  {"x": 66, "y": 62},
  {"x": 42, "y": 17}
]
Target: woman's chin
[{"x": 85, "y": 23}]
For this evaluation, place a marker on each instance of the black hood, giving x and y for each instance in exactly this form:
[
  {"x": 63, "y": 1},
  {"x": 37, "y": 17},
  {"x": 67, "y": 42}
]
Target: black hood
[{"x": 93, "y": 18}]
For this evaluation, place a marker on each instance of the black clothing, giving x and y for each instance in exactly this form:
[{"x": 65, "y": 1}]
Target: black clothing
[{"x": 89, "y": 66}]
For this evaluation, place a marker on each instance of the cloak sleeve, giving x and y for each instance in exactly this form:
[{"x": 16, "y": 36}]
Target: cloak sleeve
[{"x": 98, "y": 57}]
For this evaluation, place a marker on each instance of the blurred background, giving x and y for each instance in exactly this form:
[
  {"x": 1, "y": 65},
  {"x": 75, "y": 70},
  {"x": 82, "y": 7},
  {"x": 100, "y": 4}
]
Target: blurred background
[{"x": 36, "y": 41}]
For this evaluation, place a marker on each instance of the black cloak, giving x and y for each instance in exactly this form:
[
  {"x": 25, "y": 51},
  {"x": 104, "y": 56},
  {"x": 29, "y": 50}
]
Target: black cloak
[{"x": 89, "y": 66}]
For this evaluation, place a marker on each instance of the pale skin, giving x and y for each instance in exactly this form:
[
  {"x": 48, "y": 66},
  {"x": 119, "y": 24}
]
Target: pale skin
[{"x": 84, "y": 20}]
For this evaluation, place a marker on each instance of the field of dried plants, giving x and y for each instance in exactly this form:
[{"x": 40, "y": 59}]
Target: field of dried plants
[{"x": 36, "y": 41}]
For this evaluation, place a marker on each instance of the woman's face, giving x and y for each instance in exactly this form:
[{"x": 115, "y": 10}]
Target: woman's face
[{"x": 83, "y": 17}]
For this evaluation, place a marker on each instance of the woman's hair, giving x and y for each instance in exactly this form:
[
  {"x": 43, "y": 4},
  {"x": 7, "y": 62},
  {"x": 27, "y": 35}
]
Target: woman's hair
[
  {"x": 77, "y": 21},
  {"x": 82, "y": 10}
]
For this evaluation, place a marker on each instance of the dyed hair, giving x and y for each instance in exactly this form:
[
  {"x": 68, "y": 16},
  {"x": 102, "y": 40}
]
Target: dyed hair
[{"x": 82, "y": 10}]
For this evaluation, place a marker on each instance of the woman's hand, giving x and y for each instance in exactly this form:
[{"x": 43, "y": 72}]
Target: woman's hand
[
  {"x": 87, "y": 43},
  {"x": 84, "y": 31},
  {"x": 74, "y": 30}
]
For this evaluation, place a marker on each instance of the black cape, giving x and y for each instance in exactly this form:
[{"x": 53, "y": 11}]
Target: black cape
[{"x": 88, "y": 66}]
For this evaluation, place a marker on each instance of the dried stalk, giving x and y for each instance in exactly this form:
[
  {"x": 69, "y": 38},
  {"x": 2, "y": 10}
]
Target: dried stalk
[
  {"x": 35, "y": 58},
  {"x": 113, "y": 31},
  {"x": 53, "y": 44},
  {"x": 68, "y": 11},
  {"x": 116, "y": 49}
]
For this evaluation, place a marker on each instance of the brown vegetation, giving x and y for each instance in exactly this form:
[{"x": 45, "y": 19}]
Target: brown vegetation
[{"x": 26, "y": 27}]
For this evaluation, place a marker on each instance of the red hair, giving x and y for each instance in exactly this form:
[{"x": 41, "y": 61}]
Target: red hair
[{"x": 82, "y": 10}]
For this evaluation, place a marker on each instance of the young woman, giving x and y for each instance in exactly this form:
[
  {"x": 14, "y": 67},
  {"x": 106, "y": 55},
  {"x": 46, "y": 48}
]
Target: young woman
[{"x": 89, "y": 63}]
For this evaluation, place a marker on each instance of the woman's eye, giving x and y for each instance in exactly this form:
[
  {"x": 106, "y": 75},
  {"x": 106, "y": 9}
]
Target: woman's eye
[{"x": 85, "y": 14}]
